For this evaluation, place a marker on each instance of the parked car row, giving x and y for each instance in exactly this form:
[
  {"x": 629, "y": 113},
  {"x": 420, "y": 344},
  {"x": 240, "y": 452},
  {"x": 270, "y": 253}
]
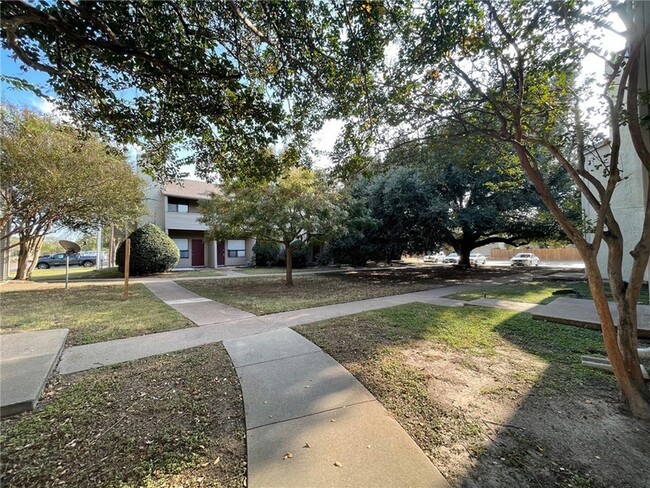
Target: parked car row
[
  {"x": 434, "y": 258},
  {"x": 476, "y": 259}
]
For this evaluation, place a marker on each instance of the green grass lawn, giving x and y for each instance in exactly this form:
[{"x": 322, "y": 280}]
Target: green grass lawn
[
  {"x": 81, "y": 273},
  {"x": 265, "y": 295},
  {"x": 76, "y": 273},
  {"x": 174, "y": 420},
  {"x": 472, "y": 330},
  {"x": 534, "y": 292},
  {"x": 275, "y": 270},
  {"x": 202, "y": 273},
  {"x": 492, "y": 396},
  {"x": 93, "y": 313}
]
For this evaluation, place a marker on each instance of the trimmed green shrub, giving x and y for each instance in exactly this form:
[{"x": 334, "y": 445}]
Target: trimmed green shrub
[
  {"x": 266, "y": 253},
  {"x": 152, "y": 251}
]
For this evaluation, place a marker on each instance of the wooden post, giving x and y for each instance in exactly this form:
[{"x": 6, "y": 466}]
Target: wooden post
[{"x": 127, "y": 265}]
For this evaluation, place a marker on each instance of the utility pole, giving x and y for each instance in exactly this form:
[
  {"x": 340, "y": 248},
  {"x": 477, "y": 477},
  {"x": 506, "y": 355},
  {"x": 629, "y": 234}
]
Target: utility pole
[{"x": 100, "y": 251}]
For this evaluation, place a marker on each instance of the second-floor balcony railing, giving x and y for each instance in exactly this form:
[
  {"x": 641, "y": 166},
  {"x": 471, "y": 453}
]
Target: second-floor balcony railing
[{"x": 184, "y": 221}]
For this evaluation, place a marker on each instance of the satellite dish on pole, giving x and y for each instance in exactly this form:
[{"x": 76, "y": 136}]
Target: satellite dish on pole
[{"x": 69, "y": 246}]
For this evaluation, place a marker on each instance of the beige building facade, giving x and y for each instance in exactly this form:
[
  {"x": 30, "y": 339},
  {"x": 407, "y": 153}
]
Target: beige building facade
[{"x": 174, "y": 207}]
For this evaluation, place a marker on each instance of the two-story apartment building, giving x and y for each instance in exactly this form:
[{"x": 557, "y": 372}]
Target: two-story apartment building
[{"x": 174, "y": 207}]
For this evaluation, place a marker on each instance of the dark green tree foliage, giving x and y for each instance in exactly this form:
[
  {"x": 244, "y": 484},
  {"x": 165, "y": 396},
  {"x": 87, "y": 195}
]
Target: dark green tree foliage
[
  {"x": 479, "y": 197},
  {"x": 464, "y": 194},
  {"x": 266, "y": 253},
  {"x": 399, "y": 202},
  {"x": 355, "y": 246},
  {"x": 222, "y": 79},
  {"x": 152, "y": 251}
]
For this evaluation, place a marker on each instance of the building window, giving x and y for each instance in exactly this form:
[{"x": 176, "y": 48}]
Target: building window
[
  {"x": 237, "y": 249},
  {"x": 183, "y": 247},
  {"x": 177, "y": 205}
]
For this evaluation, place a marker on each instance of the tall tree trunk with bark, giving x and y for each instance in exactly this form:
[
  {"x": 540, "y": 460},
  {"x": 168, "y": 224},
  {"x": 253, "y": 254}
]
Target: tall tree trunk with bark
[
  {"x": 36, "y": 252},
  {"x": 23, "y": 259},
  {"x": 621, "y": 344},
  {"x": 464, "y": 250}
]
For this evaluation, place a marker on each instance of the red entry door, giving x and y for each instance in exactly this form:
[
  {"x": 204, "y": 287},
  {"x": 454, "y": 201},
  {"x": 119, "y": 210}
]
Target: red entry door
[
  {"x": 198, "y": 257},
  {"x": 221, "y": 253}
]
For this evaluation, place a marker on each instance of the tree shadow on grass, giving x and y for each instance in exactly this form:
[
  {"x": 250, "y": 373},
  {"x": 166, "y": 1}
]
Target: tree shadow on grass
[{"x": 495, "y": 398}]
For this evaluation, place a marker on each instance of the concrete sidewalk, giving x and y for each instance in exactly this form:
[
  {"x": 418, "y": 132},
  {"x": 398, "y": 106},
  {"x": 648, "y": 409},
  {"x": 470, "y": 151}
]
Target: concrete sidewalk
[
  {"x": 582, "y": 313},
  {"x": 200, "y": 310},
  {"x": 298, "y": 400},
  {"x": 222, "y": 323},
  {"x": 26, "y": 361}
]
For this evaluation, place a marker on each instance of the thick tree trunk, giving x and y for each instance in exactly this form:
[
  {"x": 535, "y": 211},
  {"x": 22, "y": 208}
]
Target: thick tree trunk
[
  {"x": 35, "y": 252},
  {"x": 464, "y": 259},
  {"x": 23, "y": 258},
  {"x": 289, "y": 275},
  {"x": 464, "y": 250},
  {"x": 621, "y": 344}
]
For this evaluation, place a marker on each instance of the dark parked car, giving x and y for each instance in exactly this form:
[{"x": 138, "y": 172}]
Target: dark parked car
[{"x": 45, "y": 262}]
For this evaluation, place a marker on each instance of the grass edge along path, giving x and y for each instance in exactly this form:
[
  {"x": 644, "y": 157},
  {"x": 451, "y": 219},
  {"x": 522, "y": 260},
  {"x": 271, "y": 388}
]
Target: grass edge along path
[
  {"x": 540, "y": 292},
  {"x": 267, "y": 295},
  {"x": 374, "y": 347},
  {"x": 93, "y": 313},
  {"x": 166, "y": 421},
  {"x": 79, "y": 273}
]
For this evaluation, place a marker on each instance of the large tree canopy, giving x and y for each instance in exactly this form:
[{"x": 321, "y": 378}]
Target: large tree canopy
[
  {"x": 219, "y": 80},
  {"x": 464, "y": 193},
  {"x": 53, "y": 177},
  {"x": 511, "y": 71},
  {"x": 476, "y": 197}
]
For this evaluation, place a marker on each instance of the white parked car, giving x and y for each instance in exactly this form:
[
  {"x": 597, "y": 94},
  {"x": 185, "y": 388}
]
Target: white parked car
[
  {"x": 476, "y": 259},
  {"x": 524, "y": 259},
  {"x": 434, "y": 258},
  {"x": 453, "y": 258}
]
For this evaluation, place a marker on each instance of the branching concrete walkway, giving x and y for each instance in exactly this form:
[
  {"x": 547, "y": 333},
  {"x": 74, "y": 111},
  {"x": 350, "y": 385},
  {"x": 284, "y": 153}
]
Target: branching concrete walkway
[
  {"x": 219, "y": 322},
  {"x": 309, "y": 421}
]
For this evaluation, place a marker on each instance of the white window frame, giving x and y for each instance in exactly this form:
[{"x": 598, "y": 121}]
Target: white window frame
[
  {"x": 185, "y": 251},
  {"x": 236, "y": 246}
]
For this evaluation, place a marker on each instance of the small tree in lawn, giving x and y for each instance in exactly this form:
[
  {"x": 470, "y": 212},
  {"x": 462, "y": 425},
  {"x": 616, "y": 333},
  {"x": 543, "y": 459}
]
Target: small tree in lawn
[{"x": 297, "y": 206}]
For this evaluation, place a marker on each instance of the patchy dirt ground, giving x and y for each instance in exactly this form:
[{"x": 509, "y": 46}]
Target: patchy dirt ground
[
  {"x": 517, "y": 411},
  {"x": 526, "y": 434},
  {"x": 169, "y": 421}
]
